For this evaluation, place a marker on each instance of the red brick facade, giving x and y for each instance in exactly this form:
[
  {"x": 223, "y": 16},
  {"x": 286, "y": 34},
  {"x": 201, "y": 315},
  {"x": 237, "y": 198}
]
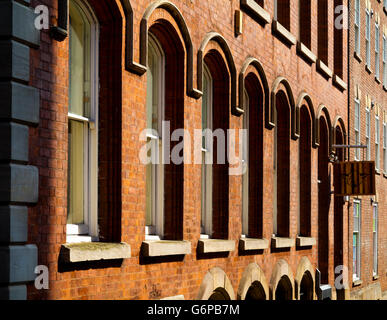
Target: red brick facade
[{"x": 292, "y": 83}]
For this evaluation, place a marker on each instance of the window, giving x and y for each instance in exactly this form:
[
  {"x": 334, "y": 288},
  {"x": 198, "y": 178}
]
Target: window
[
  {"x": 155, "y": 115},
  {"x": 305, "y": 22},
  {"x": 368, "y": 133},
  {"x": 377, "y": 142},
  {"x": 282, "y": 13},
  {"x": 368, "y": 38},
  {"x": 375, "y": 238},
  {"x": 245, "y": 168},
  {"x": 356, "y": 239},
  {"x": 322, "y": 20},
  {"x": 384, "y": 61},
  {"x": 82, "y": 209},
  {"x": 207, "y": 156},
  {"x": 357, "y": 128},
  {"x": 377, "y": 51},
  {"x": 385, "y": 146},
  {"x": 357, "y": 27}
]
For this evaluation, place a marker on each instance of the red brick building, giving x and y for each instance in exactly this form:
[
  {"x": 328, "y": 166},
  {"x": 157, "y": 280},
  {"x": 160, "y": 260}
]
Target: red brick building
[
  {"x": 367, "y": 100},
  {"x": 108, "y": 226}
]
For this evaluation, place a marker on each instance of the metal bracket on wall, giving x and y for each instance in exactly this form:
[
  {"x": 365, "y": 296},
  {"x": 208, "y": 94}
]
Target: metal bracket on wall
[{"x": 60, "y": 32}]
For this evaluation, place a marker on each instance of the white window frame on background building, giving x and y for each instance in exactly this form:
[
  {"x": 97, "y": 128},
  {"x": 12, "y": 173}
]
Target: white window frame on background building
[
  {"x": 88, "y": 230},
  {"x": 384, "y": 57},
  {"x": 245, "y": 167},
  {"x": 357, "y": 232},
  {"x": 377, "y": 51},
  {"x": 375, "y": 232},
  {"x": 377, "y": 142},
  {"x": 357, "y": 27},
  {"x": 357, "y": 128},
  {"x": 154, "y": 226},
  {"x": 207, "y": 155},
  {"x": 368, "y": 133},
  {"x": 368, "y": 38}
]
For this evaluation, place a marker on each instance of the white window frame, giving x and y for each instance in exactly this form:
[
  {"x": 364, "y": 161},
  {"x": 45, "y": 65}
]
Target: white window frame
[
  {"x": 245, "y": 168},
  {"x": 88, "y": 231},
  {"x": 357, "y": 126},
  {"x": 357, "y": 276},
  {"x": 207, "y": 158},
  {"x": 368, "y": 38},
  {"x": 357, "y": 27},
  {"x": 377, "y": 51},
  {"x": 375, "y": 234},
  {"x": 155, "y": 231},
  {"x": 377, "y": 142},
  {"x": 368, "y": 133}
]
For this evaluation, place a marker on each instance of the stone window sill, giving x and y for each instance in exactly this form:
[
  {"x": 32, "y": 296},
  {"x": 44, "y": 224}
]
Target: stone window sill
[
  {"x": 282, "y": 243},
  {"x": 368, "y": 69},
  {"x": 215, "y": 245},
  {"x": 377, "y": 80},
  {"x": 249, "y": 244},
  {"x": 357, "y": 57},
  {"x": 256, "y": 11},
  {"x": 162, "y": 248},
  {"x": 305, "y": 53},
  {"x": 339, "y": 83},
  {"x": 385, "y": 88},
  {"x": 94, "y": 251},
  {"x": 174, "y": 298},
  {"x": 305, "y": 242},
  {"x": 283, "y": 34},
  {"x": 375, "y": 277},
  {"x": 357, "y": 283},
  {"x": 324, "y": 69}
]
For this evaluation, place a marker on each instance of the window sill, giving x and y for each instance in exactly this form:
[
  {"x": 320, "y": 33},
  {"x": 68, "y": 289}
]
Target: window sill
[
  {"x": 357, "y": 283},
  {"x": 375, "y": 277},
  {"x": 377, "y": 172},
  {"x": 282, "y": 243},
  {"x": 283, "y": 34},
  {"x": 250, "y": 244},
  {"x": 378, "y": 80},
  {"x": 339, "y": 83},
  {"x": 174, "y": 298},
  {"x": 94, "y": 251},
  {"x": 368, "y": 69},
  {"x": 385, "y": 175},
  {"x": 162, "y": 248},
  {"x": 305, "y": 53},
  {"x": 256, "y": 11},
  {"x": 357, "y": 57},
  {"x": 385, "y": 88},
  {"x": 79, "y": 239},
  {"x": 305, "y": 242},
  {"x": 215, "y": 245},
  {"x": 324, "y": 69}
]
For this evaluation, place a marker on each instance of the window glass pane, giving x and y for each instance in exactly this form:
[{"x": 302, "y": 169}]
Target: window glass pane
[
  {"x": 76, "y": 173},
  {"x": 79, "y": 62}
]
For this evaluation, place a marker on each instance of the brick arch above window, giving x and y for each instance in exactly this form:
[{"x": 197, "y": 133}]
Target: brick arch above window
[
  {"x": 183, "y": 32},
  {"x": 203, "y": 50},
  {"x": 281, "y": 84},
  {"x": 304, "y": 99},
  {"x": 248, "y": 64},
  {"x": 323, "y": 112},
  {"x": 215, "y": 278},
  {"x": 281, "y": 269}
]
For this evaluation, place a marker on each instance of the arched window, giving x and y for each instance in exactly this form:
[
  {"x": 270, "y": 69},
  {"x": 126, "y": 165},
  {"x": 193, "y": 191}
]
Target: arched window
[
  {"x": 215, "y": 118},
  {"x": 82, "y": 215},
  {"x": 281, "y": 166},
  {"x": 252, "y": 179},
  {"x": 305, "y": 153},
  {"x": 165, "y": 114}
]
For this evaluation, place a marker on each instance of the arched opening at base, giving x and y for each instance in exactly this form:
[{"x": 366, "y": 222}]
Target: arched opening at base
[
  {"x": 255, "y": 292},
  {"x": 284, "y": 289},
  {"x": 219, "y": 294},
  {"x": 306, "y": 287}
]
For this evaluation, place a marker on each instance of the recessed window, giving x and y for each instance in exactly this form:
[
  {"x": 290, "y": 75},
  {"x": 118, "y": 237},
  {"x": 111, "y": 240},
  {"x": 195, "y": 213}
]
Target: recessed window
[
  {"x": 357, "y": 128},
  {"x": 338, "y": 41},
  {"x": 282, "y": 12},
  {"x": 377, "y": 142},
  {"x": 375, "y": 222},
  {"x": 385, "y": 146},
  {"x": 377, "y": 51},
  {"x": 384, "y": 61},
  {"x": 368, "y": 38},
  {"x": 82, "y": 125},
  {"x": 356, "y": 255},
  {"x": 322, "y": 20},
  {"x": 368, "y": 133},
  {"x": 357, "y": 27},
  {"x": 305, "y": 22}
]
